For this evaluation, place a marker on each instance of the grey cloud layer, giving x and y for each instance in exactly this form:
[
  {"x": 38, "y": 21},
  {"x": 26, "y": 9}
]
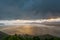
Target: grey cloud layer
[{"x": 29, "y": 9}]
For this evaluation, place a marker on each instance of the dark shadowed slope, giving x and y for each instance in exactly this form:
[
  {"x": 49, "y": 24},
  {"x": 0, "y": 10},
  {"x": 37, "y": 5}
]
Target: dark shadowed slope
[{"x": 2, "y": 34}]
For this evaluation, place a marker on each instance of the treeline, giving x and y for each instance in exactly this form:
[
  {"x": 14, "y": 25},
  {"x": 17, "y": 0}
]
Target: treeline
[{"x": 30, "y": 37}]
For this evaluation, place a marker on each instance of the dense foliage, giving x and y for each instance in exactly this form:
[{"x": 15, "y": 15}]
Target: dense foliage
[{"x": 30, "y": 37}]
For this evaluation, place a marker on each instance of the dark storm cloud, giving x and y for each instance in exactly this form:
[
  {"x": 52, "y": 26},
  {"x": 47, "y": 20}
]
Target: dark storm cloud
[{"x": 29, "y": 9}]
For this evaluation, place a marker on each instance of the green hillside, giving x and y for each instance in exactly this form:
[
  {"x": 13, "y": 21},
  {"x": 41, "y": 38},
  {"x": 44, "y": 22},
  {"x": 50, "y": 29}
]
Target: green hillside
[
  {"x": 30, "y": 37},
  {"x": 4, "y": 36}
]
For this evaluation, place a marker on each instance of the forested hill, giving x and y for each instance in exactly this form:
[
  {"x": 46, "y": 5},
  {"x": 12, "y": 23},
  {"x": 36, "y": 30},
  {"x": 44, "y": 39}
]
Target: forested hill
[{"x": 4, "y": 36}]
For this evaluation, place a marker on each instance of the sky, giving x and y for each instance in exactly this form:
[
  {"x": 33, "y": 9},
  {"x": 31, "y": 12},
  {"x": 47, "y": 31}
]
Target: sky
[{"x": 29, "y": 9}]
